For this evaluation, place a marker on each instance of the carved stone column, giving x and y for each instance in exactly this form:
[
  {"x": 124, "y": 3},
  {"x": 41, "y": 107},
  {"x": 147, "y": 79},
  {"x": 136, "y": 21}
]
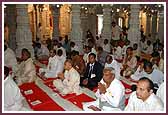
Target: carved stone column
[
  {"x": 56, "y": 14},
  {"x": 134, "y": 31},
  {"x": 154, "y": 26},
  {"x": 23, "y": 33},
  {"x": 106, "y": 31},
  {"x": 11, "y": 21},
  {"x": 148, "y": 24},
  {"x": 76, "y": 32},
  {"x": 161, "y": 26}
]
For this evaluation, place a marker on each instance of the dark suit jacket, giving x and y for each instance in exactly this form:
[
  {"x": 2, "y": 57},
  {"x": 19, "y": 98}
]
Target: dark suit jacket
[{"x": 97, "y": 70}]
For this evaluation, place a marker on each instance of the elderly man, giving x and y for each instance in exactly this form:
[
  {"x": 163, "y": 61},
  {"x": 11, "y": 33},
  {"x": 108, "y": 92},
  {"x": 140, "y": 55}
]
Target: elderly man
[
  {"x": 143, "y": 99},
  {"x": 54, "y": 66},
  {"x": 110, "y": 94},
  {"x": 26, "y": 72},
  {"x": 68, "y": 81}
]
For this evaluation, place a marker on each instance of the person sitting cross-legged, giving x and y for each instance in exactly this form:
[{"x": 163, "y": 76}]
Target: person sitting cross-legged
[
  {"x": 93, "y": 73},
  {"x": 68, "y": 81}
]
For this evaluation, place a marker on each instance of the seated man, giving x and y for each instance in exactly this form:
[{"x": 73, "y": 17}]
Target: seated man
[
  {"x": 129, "y": 63},
  {"x": 54, "y": 66},
  {"x": 26, "y": 72},
  {"x": 93, "y": 73},
  {"x": 143, "y": 99},
  {"x": 12, "y": 95},
  {"x": 110, "y": 94},
  {"x": 68, "y": 81},
  {"x": 155, "y": 75}
]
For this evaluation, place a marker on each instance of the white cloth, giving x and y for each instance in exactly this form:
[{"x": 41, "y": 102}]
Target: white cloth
[
  {"x": 70, "y": 84},
  {"x": 160, "y": 66},
  {"x": 138, "y": 74},
  {"x": 153, "y": 103},
  {"x": 76, "y": 48},
  {"x": 107, "y": 48},
  {"x": 116, "y": 32},
  {"x": 55, "y": 66},
  {"x": 26, "y": 72},
  {"x": 111, "y": 100},
  {"x": 156, "y": 76},
  {"x": 63, "y": 51},
  {"x": 118, "y": 53},
  {"x": 160, "y": 92},
  {"x": 45, "y": 50},
  {"x": 10, "y": 59},
  {"x": 12, "y": 96},
  {"x": 130, "y": 63},
  {"x": 114, "y": 64},
  {"x": 149, "y": 49}
]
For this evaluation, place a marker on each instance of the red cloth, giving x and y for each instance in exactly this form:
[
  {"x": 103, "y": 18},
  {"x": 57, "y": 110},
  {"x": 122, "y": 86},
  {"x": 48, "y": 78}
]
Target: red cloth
[
  {"x": 77, "y": 100},
  {"x": 47, "y": 104}
]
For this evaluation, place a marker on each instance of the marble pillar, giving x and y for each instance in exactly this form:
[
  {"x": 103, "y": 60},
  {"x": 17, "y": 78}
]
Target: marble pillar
[
  {"x": 11, "y": 21},
  {"x": 161, "y": 26},
  {"x": 23, "y": 33},
  {"x": 154, "y": 26},
  {"x": 148, "y": 25},
  {"x": 76, "y": 31},
  {"x": 106, "y": 31},
  {"x": 56, "y": 14},
  {"x": 134, "y": 30}
]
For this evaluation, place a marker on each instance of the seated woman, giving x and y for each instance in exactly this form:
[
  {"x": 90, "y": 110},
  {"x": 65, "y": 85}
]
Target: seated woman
[
  {"x": 26, "y": 72},
  {"x": 129, "y": 63}
]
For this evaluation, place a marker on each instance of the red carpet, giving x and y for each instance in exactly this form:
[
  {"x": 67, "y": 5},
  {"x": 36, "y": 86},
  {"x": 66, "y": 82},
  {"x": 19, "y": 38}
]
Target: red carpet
[{"x": 47, "y": 104}]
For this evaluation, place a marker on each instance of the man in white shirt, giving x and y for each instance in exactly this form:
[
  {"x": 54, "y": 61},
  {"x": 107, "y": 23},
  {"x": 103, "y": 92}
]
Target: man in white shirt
[
  {"x": 110, "y": 62},
  {"x": 106, "y": 46},
  {"x": 68, "y": 81},
  {"x": 143, "y": 99},
  {"x": 110, "y": 94},
  {"x": 116, "y": 31},
  {"x": 10, "y": 59},
  {"x": 155, "y": 75},
  {"x": 54, "y": 66},
  {"x": 26, "y": 72}
]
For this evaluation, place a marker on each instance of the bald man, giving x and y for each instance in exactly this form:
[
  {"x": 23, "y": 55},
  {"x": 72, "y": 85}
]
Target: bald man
[{"x": 68, "y": 81}]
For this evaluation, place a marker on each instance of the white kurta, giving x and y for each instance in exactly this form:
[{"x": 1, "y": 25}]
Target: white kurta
[
  {"x": 107, "y": 48},
  {"x": 138, "y": 74},
  {"x": 114, "y": 64},
  {"x": 153, "y": 103},
  {"x": 12, "y": 96},
  {"x": 160, "y": 92},
  {"x": 70, "y": 84},
  {"x": 156, "y": 76},
  {"x": 55, "y": 66},
  {"x": 111, "y": 100},
  {"x": 10, "y": 59},
  {"x": 116, "y": 32},
  {"x": 26, "y": 72}
]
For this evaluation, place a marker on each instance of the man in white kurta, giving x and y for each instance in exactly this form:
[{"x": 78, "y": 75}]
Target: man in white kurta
[
  {"x": 54, "y": 66},
  {"x": 110, "y": 94},
  {"x": 143, "y": 99},
  {"x": 68, "y": 81},
  {"x": 10, "y": 59},
  {"x": 26, "y": 72},
  {"x": 116, "y": 31}
]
